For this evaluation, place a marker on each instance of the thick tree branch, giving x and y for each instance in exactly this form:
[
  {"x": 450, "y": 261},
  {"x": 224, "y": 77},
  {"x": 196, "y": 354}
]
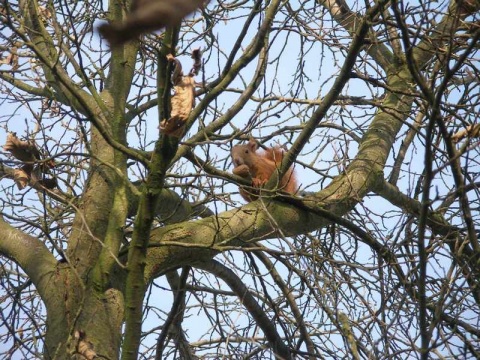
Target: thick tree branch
[
  {"x": 43, "y": 92},
  {"x": 443, "y": 33},
  {"x": 252, "y": 222},
  {"x": 163, "y": 153},
  {"x": 30, "y": 254}
]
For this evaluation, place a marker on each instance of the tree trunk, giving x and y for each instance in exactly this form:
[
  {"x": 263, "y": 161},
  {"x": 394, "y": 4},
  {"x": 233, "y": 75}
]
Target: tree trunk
[{"x": 82, "y": 322}]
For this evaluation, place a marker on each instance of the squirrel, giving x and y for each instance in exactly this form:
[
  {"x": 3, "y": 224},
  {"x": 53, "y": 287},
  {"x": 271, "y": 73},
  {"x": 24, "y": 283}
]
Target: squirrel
[{"x": 259, "y": 167}]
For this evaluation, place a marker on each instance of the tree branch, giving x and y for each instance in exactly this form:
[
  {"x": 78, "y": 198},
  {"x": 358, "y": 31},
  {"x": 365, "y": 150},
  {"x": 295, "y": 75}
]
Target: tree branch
[
  {"x": 247, "y": 299},
  {"x": 30, "y": 254}
]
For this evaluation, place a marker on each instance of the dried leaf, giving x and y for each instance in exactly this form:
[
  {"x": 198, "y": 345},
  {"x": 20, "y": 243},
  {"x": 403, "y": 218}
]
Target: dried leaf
[
  {"x": 146, "y": 16},
  {"x": 11, "y": 59},
  {"x": 44, "y": 12},
  {"x": 20, "y": 332},
  {"x": 84, "y": 347},
  {"x": 25, "y": 151},
  {"x": 29, "y": 173},
  {"x": 183, "y": 100},
  {"x": 182, "y": 103},
  {"x": 21, "y": 178}
]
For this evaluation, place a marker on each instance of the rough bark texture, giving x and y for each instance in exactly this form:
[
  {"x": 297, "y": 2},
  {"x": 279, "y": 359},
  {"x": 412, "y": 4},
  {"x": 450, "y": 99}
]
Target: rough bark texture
[{"x": 124, "y": 235}]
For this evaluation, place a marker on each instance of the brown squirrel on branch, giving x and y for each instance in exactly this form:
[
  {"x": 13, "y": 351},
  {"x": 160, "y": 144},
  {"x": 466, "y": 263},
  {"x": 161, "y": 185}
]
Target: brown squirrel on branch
[{"x": 259, "y": 167}]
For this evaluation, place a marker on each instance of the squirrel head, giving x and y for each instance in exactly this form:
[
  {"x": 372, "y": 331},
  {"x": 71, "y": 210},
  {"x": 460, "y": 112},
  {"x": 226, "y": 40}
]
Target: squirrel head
[{"x": 244, "y": 154}]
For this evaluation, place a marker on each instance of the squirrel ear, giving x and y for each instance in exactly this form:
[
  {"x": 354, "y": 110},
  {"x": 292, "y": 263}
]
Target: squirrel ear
[{"x": 252, "y": 144}]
